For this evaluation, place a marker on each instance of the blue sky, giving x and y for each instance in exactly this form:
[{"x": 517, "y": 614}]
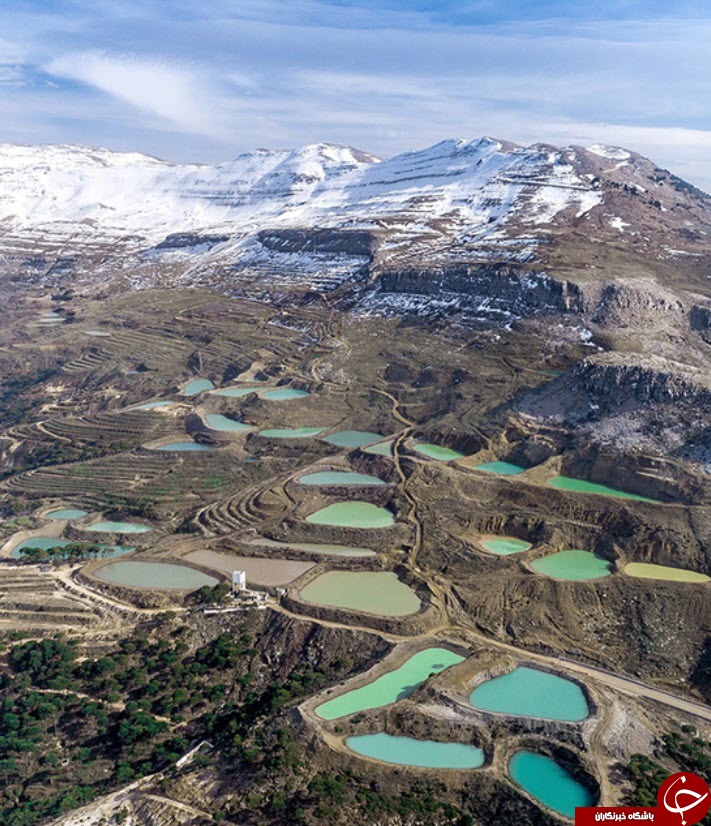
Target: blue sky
[{"x": 207, "y": 79}]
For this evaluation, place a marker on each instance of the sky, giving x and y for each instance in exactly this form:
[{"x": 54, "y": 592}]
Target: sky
[{"x": 204, "y": 80}]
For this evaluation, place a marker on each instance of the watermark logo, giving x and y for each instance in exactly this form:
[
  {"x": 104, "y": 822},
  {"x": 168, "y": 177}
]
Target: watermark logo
[
  {"x": 683, "y": 799},
  {"x": 686, "y": 795}
]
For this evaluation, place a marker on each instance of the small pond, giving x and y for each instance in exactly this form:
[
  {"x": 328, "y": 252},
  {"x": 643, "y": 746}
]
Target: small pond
[
  {"x": 291, "y": 432},
  {"x": 370, "y": 592},
  {"x": 391, "y": 686},
  {"x": 151, "y": 405},
  {"x": 573, "y": 565},
  {"x": 548, "y": 783},
  {"x": 314, "y": 548},
  {"x": 236, "y": 392},
  {"x": 441, "y": 454},
  {"x": 216, "y": 421},
  {"x": 381, "y": 449},
  {"x": 117, "y": 527},
  {"x": 528, "y": 692},
  {"x": 406, "y": 751},
  {"x": 502, "y": 468},
  {"x": 352, "y": 438},
  {"x": 196, "y": 386},
  {"x": 504, "y": 545},
  {"x": 281, "y": 394},
  {"x": 66, "y": 513},
  {"x": 162, "y": 576},
  {"x": 352, "y": 515},
  {"x": 184, "y": 447},
  {"x": 645, "y": 570}
]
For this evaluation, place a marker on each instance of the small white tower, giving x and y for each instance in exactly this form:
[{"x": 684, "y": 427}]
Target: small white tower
[{"x": 239, "y": 581}]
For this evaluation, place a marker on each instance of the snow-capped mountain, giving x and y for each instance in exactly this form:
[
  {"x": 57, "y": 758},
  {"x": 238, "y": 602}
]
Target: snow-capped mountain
[{"x": 326, "y": 217}]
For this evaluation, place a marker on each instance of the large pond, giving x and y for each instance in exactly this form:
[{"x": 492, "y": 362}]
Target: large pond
[
  {"x": 504, "y": 545},
  {"x": 352, "y": 438},
  {"x": 381, "y": 449},
  {"x": 390, "y": 687},
  {"x": 406, "y": 751},
  {"x": 66, "y": 513},
  {"x": 314, "y": 548},
  {"x": 573, "y": 485},
  {"x": 528, "y": 692},
  {"x": 47, "y": 542},
  {"x": 573, "y": 565},
  {"x": 502, "y": 468},
  {"x": 117, "y": 527},
  {"x": 370, "y": 592},
  {"x": 163, "y": 576},
  {"x": 196, "y": 386},
  {"x": 236, "y": 392},
  {"x": 339, "y": 478},
  {"x": 283, "y": 393},
  {"x": 352, "y": 515},
  {"x": 548, "y": 783},
  {"x": 216, "y": 421},
  {"x": 646, "y": 570},
  {"x": 442, "y": 454},
  {"x": 291, "y": 432},
  {"x": 184, "y": 447}
]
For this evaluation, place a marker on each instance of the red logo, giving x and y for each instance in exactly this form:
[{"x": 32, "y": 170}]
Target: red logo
[
  {"x": 683, "y": 799},
  {"x": 685, "y": 795}
]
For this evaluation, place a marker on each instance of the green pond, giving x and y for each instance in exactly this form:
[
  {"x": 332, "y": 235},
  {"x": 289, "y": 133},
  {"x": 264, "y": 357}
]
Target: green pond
[
  {"x": 527, "y": 692},
  {"x": 283, "y": 393},
  {"x": 352, "y": 438},
  {"x": 291, "y": 432},
  {"x": 117, "y": 527},
  {"x": 65, "y": 513},
  {"x": 217, "y": 421},
  {"x": 192, "y": 388},
  {"x": 381, "y": 449},
  {"x": 46, "y": 542},
  {"x": 406, "y": 751},
  {"x": 314, "y": 548},
  {"x": 370, "y": 592},
  {"x": 151, "y": 405},
  {"x": 390, "y": 687},
  {"x": 568, "y": 483},
  {"x": 339, "y": 477},
  {"x": 573, "y": 565},
  {"x": 502, "y": 468},
  {"x": 236, "y": 392},
  {"x": 646, "y": 570},
  {"x": 352, "y": 515},
  {"x": 442, "y": 454},
  {"x": 163, "y": 576},
  {"x": 184, "y": 447},
  {"x": 548, "y": 783},
  {"x": 505, "y": 545}
]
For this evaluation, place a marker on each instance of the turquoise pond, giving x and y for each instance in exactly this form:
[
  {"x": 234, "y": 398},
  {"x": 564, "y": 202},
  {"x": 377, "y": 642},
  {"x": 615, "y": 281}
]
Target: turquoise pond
[
  {"x": 406, "y": 751},
  {"x": 504, "y": 545},
  {"x": 441, "y": 454},
  {"x": 236, "y": 392},
  {"x": 163, "y": 576},
  {"x": 184, "y": 447},
  {"x": 339, "y": 477},
  {"x": 573, "y": 565},
  {"x": 548, "y": 783},
  {"x": 314, "y": 547},
  {"x": 196, "y": 386},
  {"x": 502, "y": 468},
  {"x": 528, "y": 692},
  {"x": 281, "y": 394},
  {"x": 352, "y": 515},
  {"x": 391, "y": 686},
  {"x": 381, "y": 449},
  {"x": 352, "y": 438},
  {"x": 46, "y": 542},
  {"x": 66, "y": 513},
  {"x": 291, "y": 432},
  {"x": 572, "y": 485},
  {"x": 117, "y": 527},
  {"x": 370, "y": 592},
  {"x": 217, "y": 421},
  {"x": 151, "y": 405}
]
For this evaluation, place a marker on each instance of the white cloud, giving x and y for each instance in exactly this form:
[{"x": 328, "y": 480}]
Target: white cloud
[{"x": 166, "y": 90}]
